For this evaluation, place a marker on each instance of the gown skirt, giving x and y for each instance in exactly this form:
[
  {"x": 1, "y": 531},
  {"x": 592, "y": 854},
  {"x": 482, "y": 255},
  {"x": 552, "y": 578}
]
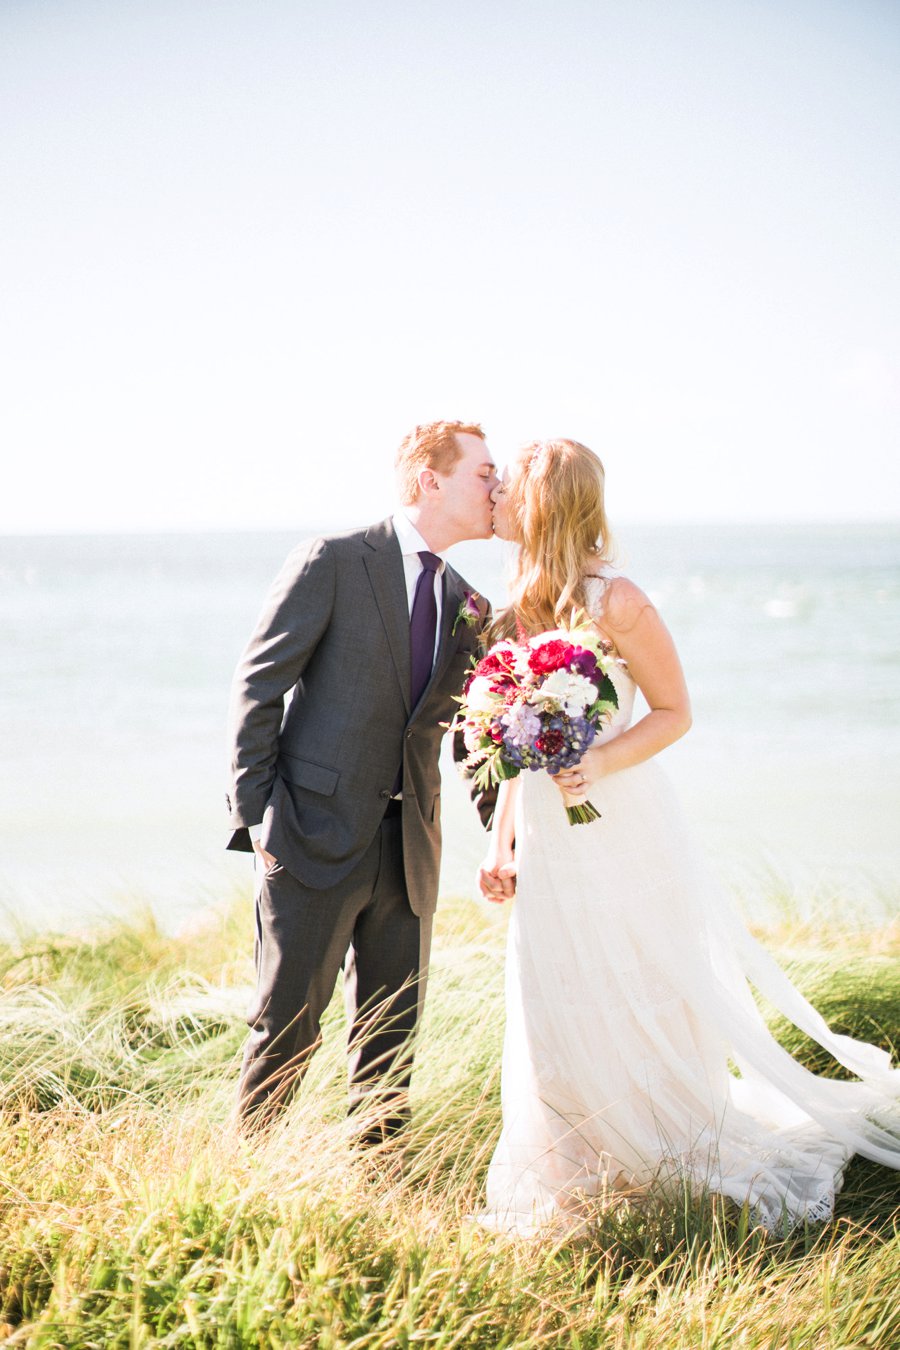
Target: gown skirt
[{"x": 635, "y": 1054}]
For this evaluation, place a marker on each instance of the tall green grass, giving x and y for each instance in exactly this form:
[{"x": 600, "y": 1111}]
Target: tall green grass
[{"x": 131, "y": 1214}]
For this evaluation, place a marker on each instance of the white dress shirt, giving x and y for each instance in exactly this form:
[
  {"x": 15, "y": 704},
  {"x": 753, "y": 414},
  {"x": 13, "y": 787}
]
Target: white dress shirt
[{"x": 411, "y": 545}]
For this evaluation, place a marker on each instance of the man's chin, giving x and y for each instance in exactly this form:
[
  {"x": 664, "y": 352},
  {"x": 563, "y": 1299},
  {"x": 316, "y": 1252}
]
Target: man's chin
[{"x": 480, "y": 532}]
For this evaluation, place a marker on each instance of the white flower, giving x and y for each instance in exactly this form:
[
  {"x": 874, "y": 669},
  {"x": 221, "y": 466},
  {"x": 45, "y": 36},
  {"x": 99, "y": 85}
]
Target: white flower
[
  {"x": 570, "y": 693},
  {"x": 480, "y": 696},
  {"x": 552, "y": 635},
  {"x": 517, "y": 656},
  {"x": 472, "y": 737}
]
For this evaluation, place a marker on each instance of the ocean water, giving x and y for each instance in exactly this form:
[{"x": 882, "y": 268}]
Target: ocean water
[{"x": 117, "y": 653}]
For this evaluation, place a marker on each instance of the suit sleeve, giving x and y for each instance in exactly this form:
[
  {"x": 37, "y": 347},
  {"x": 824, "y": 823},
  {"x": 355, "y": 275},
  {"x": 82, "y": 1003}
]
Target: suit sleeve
[{"x": 294, "y": 617}]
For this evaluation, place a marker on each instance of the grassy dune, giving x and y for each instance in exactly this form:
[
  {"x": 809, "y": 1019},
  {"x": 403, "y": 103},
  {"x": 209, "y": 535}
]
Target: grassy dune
[{"x": 130, "y": 1214}]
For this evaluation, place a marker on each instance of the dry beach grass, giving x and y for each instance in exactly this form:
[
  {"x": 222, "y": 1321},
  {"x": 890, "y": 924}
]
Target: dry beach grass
[{"x": 132, "y": 1216}]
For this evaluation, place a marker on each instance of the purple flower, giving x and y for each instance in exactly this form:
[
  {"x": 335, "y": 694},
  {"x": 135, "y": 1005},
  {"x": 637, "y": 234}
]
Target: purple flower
[
  {"x": 583, "y": 662},
  {"x": 468, "y": 612},
  {"x": 521, "y": 726}
]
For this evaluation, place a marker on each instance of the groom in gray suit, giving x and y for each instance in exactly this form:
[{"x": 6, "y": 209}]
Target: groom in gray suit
[{"x": 371, "y": 633}]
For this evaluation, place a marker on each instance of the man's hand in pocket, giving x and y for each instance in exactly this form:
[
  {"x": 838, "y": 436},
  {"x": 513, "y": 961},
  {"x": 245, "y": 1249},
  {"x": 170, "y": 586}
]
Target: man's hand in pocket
[{"x": 268, "y": 859}]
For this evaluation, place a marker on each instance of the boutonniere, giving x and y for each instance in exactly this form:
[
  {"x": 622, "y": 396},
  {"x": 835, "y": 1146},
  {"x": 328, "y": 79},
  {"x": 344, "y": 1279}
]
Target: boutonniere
[{"x": 468, "y": 612}]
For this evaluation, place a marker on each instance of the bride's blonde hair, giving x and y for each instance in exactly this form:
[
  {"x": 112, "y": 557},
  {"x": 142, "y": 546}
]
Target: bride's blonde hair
[{"x": 556, "y": 509}]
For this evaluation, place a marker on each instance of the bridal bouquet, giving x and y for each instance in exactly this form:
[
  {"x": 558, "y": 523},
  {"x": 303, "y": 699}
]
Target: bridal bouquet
[{"x": 537, "y": 704}]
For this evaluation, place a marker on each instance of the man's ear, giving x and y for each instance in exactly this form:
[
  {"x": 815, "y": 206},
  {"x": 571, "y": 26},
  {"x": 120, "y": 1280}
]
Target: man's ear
[{"x": 428, "y": 482}]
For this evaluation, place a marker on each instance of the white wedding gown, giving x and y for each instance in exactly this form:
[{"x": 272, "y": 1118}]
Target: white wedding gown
[{"x": 628, "y": 1005}]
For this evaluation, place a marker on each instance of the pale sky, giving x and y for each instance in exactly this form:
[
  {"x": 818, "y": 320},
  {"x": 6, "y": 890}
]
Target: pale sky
[{"x": 247, "y": 243}]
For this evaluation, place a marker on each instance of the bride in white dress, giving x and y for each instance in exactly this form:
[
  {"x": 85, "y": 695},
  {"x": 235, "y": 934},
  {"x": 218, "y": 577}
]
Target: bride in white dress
[{"x": 629, "y": 971}]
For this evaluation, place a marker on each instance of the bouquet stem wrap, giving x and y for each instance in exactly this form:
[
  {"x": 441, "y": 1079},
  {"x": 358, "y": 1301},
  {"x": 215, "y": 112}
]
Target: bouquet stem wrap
[{"x": 579, "y": 810}]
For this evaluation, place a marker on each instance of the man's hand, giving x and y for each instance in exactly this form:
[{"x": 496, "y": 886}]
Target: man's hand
[
  {"x": 497, "y": 881},
  {"x": 267, "y": 859}
]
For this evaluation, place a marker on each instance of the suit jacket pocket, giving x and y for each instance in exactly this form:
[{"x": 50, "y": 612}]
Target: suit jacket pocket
[{"x": 304, "y": 773}]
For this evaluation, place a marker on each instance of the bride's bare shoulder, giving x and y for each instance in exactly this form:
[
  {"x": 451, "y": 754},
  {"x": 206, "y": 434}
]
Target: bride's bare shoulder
[{"x": 622, "y": 602}]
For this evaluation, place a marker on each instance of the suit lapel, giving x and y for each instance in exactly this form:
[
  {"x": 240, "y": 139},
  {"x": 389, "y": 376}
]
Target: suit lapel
[{"x": 384, "y": 564}]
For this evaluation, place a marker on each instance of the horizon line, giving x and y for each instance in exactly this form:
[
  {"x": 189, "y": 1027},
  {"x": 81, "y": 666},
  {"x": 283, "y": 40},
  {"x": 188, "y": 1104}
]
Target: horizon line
[{"x": 326, "y": 526}]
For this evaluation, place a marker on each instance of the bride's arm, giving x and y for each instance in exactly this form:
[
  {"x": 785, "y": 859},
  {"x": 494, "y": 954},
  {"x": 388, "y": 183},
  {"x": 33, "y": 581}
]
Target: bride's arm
[
  {"x": 497, "y": 874},
  {"x": 633, "y": 624}
]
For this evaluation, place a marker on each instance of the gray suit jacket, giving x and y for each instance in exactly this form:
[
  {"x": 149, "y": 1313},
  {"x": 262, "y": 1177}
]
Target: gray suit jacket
[{"x": 334, "y": 632}]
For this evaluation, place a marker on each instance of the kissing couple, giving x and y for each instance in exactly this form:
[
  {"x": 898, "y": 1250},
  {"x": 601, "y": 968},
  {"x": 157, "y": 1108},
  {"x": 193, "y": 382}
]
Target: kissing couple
[{"x": 629, "y": 971}]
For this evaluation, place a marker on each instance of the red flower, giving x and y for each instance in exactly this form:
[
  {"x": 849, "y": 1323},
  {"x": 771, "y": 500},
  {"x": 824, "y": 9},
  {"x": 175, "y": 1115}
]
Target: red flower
[
  {"x": 550, "y": 742},
  {"x": 497, "y": 662},
  {"x": 549, "y": 656}
]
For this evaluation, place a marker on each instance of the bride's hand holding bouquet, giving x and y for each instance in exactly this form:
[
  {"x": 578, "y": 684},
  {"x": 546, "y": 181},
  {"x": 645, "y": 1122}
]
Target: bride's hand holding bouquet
[{"x": 578, "y": 779}]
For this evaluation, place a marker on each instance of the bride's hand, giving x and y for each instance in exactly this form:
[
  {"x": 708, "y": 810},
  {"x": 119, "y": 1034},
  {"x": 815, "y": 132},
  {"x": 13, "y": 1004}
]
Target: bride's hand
[
  {"x": 578, "y": 780},
  {"x": 496, "y": 879}
]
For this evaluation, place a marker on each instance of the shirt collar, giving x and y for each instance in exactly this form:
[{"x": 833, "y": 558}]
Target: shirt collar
[{"x": 409, "y": 539}]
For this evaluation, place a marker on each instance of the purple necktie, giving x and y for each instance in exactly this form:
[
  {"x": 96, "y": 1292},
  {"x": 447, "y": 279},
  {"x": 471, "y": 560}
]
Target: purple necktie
[{"x": 422, "y": 627}]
